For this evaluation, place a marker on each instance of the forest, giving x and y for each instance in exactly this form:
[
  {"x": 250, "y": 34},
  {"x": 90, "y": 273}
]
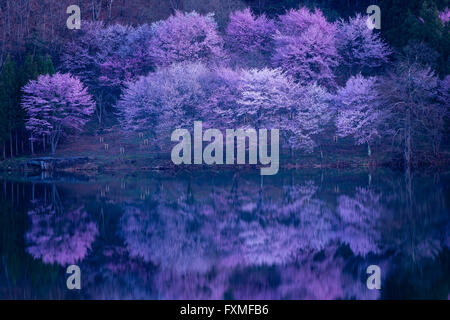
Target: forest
[{"x": 136, "y": 70}]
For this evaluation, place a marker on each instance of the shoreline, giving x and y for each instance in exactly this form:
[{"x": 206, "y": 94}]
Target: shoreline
[{"x": 130, "y": 164}]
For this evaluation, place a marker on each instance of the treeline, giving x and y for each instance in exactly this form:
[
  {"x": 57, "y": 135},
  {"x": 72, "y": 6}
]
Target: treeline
[{"x": 41, "y": 24}]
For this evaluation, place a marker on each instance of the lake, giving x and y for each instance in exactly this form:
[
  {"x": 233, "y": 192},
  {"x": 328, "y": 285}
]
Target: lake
[{"x": 301, "y": 234}]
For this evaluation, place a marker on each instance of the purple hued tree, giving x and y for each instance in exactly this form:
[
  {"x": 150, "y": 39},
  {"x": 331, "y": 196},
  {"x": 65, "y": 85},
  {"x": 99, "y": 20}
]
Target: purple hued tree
[
  {"x": 56, "y": 105},
  {"x": 221, "y": 89},
  {"x": 359, "y": 113},
  {"x": 360, "y": 49},
  {"x": 308, "y": 117},
  {"x": 305, "y": 46},
  {"x": 264, "y": 98},
  {"x": 185, "y": 37},
  {"x": 444, "y": 15},
  {"x": 249, "y": 37},
  {"x": 166, "y": 99}
]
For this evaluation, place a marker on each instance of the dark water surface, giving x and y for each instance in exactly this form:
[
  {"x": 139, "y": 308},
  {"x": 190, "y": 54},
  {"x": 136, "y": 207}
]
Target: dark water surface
[{"x": 307, "y": 234}]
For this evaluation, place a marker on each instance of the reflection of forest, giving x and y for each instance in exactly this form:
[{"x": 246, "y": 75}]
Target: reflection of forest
[{"x": 240, "y": 235}]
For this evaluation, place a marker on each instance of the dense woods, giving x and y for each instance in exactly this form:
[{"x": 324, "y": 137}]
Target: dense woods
[{"x": 312, "y": 69}]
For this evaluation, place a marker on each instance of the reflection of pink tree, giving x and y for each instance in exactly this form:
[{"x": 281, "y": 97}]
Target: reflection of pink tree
[
  {"x": 171, "y": 234},
  {"x": 59, "y": 237},
  {"x": 360, "y": 216},
  {"x": 308, "y": 277},
  {"x": 278, "y": 231}
]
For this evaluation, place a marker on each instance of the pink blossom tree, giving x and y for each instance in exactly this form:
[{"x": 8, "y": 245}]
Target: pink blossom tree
[
  {"x": 185, "y": 37},
  {"x": 249, "y": 37},
  {"x": 221, "y": 89},
  {"x": 444, "y": 15},
  {"x": 166, "y": 99},
  {"x": 360, "y": 49},
  {"x": 444, "y": 91},
  {"x": 56, "y": 105},
  {"x": 305, "y": 46},
  {"x": 264, "y": 98},
  {"x": 359, "y": 113},
  {"x": 308, "y": 117}
]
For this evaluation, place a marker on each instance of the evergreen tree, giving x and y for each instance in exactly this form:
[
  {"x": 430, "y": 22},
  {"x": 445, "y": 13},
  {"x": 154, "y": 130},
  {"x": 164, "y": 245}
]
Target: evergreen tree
[
  {"x": 3, "y": 120},
  {"x": 29, "y": 70},
  {"x": 45, "y": 65},
  {"x": 404, "y": 21},
  {"x": 9, "y": 99}
]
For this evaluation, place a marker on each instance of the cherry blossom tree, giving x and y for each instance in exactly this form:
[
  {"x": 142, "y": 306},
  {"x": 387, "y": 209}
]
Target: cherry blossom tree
[
  {"x": 305, "y": 46},
  {"x": 249, "y": 37},
  {"x": 444, "y": 15},
  {"x": 185, "y": 37},
  {"x": 166, "y": 99},
  {"x": 308, "y": 117},
  {"x": 221, "y": 89},
  {"x": 359, "y": 113},
  {"x": 444, "y": 91},
  {"x": 264, "y": 98},
  {"x": 360, "y": 48},
  {"x": 56, "y": 105}
]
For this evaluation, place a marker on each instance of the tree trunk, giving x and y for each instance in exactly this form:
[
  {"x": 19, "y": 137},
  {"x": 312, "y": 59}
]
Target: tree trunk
[
  {"x": 10, "y": 143},
  {"x": 408, "y": 151},
  {"x": 43, "y": 142},
  {"x": 409, "y": 205},
  {"x": 369, "y": 151},
  {"x": 17, "y": 144},
  {"x": 4, "y": 150},
  {"x": 32, "y": 146}
]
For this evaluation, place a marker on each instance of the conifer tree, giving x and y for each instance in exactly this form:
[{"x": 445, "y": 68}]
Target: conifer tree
[
  {"x": 45, "y": 65},
  {"x": 9, "y": 103}
]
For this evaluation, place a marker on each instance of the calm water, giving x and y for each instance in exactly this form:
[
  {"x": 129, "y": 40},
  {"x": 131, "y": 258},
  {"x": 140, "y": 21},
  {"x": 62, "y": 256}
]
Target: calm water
[{"x": 297, "y": 235}]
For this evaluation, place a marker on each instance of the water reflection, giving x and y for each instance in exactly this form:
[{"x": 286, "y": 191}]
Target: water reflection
[{"x": 297, "y": 235}]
